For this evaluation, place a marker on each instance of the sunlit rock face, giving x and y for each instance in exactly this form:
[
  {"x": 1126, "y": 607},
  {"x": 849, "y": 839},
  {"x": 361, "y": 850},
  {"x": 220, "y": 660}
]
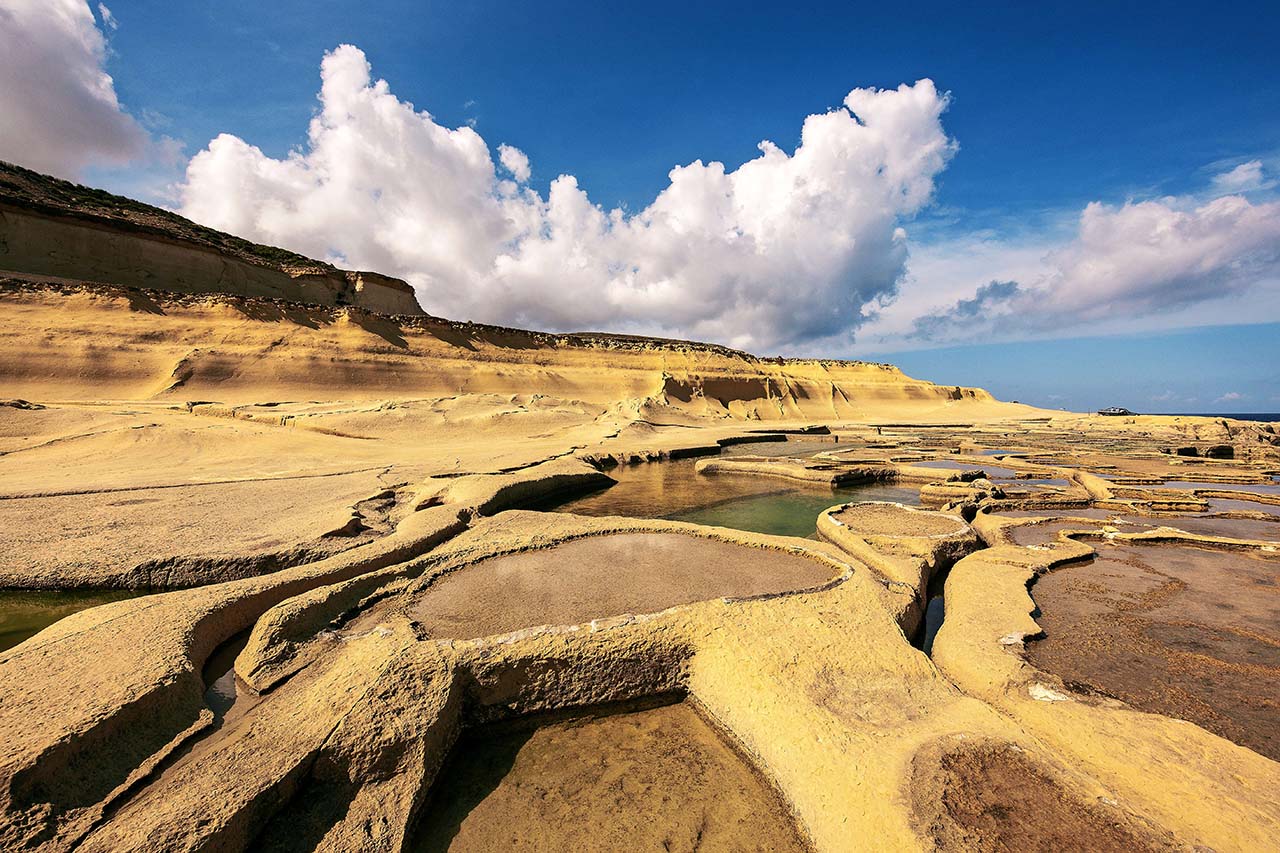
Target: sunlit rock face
[{"x": 282, "y": 573}]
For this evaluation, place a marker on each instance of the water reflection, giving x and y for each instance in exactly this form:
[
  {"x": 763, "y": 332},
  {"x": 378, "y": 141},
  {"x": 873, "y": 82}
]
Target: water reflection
[
  {"x": 958, "y": 465},
  {"x": 24, "y": 613},
  {"x": 674, "y": 490},
  {"x": 1256, "y": 488}
]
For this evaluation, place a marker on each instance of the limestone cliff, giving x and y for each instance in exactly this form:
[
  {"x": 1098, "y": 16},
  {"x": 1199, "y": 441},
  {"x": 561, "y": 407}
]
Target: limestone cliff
[
  {"x": 50, "y": 227},
  {"x": 80, "y": 341},
  {"x": 103, "y": 296}
]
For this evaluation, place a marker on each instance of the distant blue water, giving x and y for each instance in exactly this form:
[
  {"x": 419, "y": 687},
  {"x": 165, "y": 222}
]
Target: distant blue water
[{"x": 1240, "y": 416}]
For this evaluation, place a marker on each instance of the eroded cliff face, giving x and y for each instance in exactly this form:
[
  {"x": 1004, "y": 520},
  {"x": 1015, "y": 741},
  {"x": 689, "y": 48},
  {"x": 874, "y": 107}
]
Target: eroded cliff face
[
  {"x": 130, "y": 301},
  {"x": 98, "y": 342},
  {"x": 54, "y": 228}
]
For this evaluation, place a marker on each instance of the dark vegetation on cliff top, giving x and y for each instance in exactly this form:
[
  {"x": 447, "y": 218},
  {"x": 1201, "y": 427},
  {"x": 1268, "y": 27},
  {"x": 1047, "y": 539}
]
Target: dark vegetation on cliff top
[{"x": 39, "y": 193}]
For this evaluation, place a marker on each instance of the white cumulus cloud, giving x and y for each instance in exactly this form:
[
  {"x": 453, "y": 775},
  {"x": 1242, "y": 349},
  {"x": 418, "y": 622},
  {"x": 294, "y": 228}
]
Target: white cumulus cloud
[
  {"x": 784, "y": 250},
  {"x": 514, "y": 161},
  {"x": 1142, "y": 265},
  {"x": 58, "y": 106}
]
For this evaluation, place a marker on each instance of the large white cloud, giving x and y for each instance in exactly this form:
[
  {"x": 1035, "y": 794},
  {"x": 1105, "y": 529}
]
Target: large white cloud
[
  {"x": 58, "y": 107},
  {"x": 781, "y": 251},
  {"x": 1139, "y": 266}
]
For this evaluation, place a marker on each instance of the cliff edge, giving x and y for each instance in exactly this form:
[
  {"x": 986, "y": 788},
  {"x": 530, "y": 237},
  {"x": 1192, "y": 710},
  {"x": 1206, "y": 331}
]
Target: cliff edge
[{"x": 51, "y": 227}]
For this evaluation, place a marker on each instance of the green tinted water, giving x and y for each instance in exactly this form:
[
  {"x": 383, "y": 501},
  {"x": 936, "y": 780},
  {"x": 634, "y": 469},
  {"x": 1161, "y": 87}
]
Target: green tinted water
[
  {"x": 793, "y": 512},
  {"x": 674, "y": 490},
  {"x": 24, "y": 613}
]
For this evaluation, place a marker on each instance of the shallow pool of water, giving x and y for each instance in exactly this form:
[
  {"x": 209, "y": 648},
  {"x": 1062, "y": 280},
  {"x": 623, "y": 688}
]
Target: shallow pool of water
[
  {"x": 1227, "y": 528},
  {"x": 601, "y": 576},
  {"x": 1229, "y": 505},
  {"x": 222, "y": 689},
  {"x": 794, "y": 447},
  {"x": 674, "y": 490},
  {"x": 1256, "y": 488},
  {"x": 659, "y": 779},
  {"x": 957, "y": 465},
  {"x": 1182, "y": 631},
  {"x": 1035, "y": 481},
  {"x": 24, "y": 613}
]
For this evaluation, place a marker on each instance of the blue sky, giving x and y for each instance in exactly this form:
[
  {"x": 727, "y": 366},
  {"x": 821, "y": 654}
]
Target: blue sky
[
  {"x": 1052, "y": 108},
  {"x": 1049, "y": 110},
  {"x": 1207, "y": 369}
]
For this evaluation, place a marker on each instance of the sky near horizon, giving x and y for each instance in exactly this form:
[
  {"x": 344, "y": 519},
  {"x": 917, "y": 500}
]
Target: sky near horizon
[{"x": 1073, "y": 207}]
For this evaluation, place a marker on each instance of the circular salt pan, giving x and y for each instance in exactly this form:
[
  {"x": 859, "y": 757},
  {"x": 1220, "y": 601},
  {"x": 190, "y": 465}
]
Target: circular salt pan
[
  {"x": 600, "y": 576},
  {"x": 886, "y": 519}
]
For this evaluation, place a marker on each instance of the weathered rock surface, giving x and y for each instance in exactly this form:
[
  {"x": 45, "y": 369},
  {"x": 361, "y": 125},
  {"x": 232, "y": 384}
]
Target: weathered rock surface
[{"x": 345, "y": 499}]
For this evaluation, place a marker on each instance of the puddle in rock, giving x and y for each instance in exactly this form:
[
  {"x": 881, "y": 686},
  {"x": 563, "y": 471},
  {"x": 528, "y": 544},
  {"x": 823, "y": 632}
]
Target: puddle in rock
[
  {"x": 956, "y": 465},
  {"x": 24, "y": 613},
  {"x": 1044, "y": 534},
  {"x": 1203, "y": 525},
  {"x": 1186, "y": 632},
  {"x": 1229, "y": 505},
  {"x": 1044, "y": 481},
  {"x": 1083, "y": 512},
  {"x": 795, "y": 447},
  {"x": 600, "y": 576},
  {"x": 674, "y": 490},
  {"x": 1254, "y": 488},
  {"x": 1207, "y": 525},
  {"x": 878, "y": 519},
  {"x": 656, "y": 779},
  {"x": 222, "y": 690},
  {"x": 934, "y": 612},
  {"x": 992, "y": 798}
]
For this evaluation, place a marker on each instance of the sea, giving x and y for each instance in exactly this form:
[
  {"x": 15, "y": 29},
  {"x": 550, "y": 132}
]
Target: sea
[{"x": 1240, "y": 416}]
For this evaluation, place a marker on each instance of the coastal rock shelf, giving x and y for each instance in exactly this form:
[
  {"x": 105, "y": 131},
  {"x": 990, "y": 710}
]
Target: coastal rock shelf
[
  {"x": 465, "y": 611},
  {"x": 285, "y": 565}
]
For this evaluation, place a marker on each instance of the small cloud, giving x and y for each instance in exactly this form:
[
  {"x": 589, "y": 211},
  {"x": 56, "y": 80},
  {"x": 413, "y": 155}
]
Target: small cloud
[
  {"x": 1163, "y": 398},
  {"x": 1056, "y": 397},
  {"x": 469, "y": 103},
  {"x": 514, "y": 161},
  {"x": 471, "y": 123},
  {"x": 154, "y": 119},
  {"x": 988, "y": 298},
  {"x": 108, "y": 20},
  {"x": 1242, "y": 179},
  {"x": 1230, "y": 397}
]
